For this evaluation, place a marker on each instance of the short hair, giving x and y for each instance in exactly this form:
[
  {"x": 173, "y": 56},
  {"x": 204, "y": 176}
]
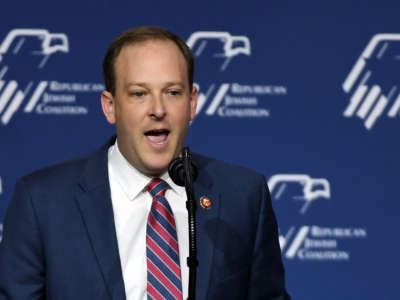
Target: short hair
[{"x": 139, "y": 35}]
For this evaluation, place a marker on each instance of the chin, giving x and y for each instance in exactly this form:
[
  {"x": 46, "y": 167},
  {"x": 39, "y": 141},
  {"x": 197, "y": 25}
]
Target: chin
[
  {"x": 157, "y": 163},
  {"x": 157, "y": 168}
]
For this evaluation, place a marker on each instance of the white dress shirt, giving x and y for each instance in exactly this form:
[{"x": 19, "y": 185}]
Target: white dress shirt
[{"x": 131, "y": 206}]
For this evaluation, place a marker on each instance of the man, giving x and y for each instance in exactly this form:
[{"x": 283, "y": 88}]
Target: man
[{"x": 90, "y": 228}]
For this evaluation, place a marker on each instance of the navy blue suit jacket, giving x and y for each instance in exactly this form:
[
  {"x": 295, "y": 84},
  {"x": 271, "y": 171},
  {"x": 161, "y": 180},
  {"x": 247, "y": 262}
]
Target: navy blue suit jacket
[{"x": 59, "y": 239}]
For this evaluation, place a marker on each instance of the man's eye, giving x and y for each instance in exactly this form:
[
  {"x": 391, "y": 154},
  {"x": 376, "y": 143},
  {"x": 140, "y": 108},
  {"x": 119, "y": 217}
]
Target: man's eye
[
  {"x": 174, "y": 92},
  {"x": 137, "y": 93}
]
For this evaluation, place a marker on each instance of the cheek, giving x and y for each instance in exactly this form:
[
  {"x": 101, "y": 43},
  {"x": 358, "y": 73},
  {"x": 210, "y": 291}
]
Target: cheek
[
  {"x": 181, "y": 122},
  {"x": 128, "y": 122},
  {"x": 129, "y": 113},
  {"x": 183, "y": 113}
]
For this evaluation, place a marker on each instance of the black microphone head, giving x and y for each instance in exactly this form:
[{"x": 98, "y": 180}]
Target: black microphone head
[{"x": 176, "y": 171}]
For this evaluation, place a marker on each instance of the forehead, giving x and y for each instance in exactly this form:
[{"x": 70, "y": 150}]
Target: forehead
[{"x": 151, "y": 58}]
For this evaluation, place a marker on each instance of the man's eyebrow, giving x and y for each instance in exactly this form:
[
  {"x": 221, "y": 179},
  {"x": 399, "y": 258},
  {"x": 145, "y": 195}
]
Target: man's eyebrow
[
  {"x": 174, "y": 83},
  {"x": 146, "y": 85},
  {"x": 142, "y": 84}
]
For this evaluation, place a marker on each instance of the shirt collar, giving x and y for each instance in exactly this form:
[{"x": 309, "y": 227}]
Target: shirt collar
[{"x": 131, "y": 180}]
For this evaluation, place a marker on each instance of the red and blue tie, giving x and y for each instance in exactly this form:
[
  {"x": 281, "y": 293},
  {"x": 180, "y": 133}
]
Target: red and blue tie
[{"x": 163, "y": 267}]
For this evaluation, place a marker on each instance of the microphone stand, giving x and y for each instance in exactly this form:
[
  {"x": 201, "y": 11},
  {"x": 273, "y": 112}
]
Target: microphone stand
[{"x": 192, "y": 261}]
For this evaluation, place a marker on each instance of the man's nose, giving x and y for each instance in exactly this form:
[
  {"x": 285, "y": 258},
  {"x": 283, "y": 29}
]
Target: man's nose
[{"x": 158, "y": 110}]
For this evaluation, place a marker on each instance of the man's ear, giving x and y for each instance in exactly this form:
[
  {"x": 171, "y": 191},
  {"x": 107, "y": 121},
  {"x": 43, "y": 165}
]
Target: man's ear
[
  {"x": 193, "y": 102},
  {"x": 108, "y": 105}
]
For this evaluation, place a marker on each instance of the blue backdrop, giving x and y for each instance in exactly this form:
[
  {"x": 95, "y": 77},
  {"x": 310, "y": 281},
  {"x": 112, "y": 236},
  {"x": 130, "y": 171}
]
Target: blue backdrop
[{"x": 302, "y": 91}]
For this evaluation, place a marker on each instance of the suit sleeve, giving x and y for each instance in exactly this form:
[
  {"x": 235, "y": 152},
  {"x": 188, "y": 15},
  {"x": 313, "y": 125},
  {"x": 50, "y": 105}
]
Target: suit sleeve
[
  {"x": 267, "y": 280},
  {"x": 21, "y": 250}
]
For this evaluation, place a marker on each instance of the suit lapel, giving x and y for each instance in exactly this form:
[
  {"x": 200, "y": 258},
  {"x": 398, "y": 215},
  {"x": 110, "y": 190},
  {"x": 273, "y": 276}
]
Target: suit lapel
[
  {"x": 207, "y": 221},
  {"x": 94, "y": 200}
]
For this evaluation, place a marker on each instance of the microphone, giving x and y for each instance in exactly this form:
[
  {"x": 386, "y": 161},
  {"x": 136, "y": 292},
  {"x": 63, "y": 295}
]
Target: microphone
[
  {"x": 176, "y": 170},
  {"x": 183, "y": 173}
]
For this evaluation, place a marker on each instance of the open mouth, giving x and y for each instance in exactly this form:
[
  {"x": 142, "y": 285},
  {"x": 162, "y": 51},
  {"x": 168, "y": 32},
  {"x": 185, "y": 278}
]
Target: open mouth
[{"x": 157, "y": 136}]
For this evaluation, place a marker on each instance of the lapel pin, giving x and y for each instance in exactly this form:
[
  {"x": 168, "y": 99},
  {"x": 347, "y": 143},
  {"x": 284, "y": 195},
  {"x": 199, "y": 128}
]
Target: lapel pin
[{"x": 205, "y": 203}]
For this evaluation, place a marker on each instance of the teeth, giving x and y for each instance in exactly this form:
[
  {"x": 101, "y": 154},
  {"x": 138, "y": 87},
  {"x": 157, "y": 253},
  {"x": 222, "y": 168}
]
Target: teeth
[{"x": 158, "y": 139}]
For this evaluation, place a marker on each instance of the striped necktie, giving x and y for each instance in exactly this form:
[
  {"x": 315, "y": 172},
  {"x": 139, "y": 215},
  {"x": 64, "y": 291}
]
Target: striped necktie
[{"x": 163, "y": 268}]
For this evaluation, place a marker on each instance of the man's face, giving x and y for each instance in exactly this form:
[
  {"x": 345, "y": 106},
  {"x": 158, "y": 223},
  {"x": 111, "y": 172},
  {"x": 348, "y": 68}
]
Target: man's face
[{"x": 152, "y": 105}]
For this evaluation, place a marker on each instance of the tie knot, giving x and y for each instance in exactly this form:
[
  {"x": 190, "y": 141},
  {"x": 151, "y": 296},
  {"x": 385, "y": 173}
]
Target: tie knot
[{"x": 157, "y": 187}]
